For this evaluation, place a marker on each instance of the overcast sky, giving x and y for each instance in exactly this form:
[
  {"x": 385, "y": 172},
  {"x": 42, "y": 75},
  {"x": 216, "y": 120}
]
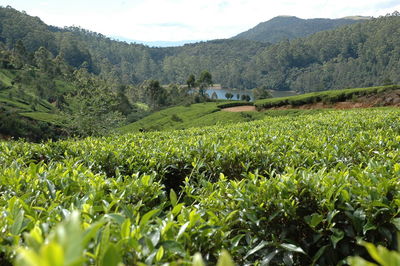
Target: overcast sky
[{"x": 176, "y": 20}]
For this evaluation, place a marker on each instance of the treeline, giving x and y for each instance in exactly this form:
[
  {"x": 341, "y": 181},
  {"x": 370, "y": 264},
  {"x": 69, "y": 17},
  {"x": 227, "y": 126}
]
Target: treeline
[
  {"x": 363, "y": 54},
  {"x": 287, "y": 27},
  {"x": 360, "y": 55}
]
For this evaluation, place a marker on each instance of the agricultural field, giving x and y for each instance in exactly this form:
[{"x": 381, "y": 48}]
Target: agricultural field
[
  {"x": 193, "y": 115},
  {"x": 327, "y": 97},
  {"x": 283, "y": 190}
]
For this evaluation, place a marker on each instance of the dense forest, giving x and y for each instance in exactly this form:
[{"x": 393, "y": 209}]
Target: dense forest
[
  {"x": 361, "y": 54},
  {"x": 288, "y": 27}
]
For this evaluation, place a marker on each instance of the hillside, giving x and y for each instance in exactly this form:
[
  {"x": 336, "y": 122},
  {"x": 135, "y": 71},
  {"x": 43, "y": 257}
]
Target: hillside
[
  {"x": 357, "y": 55},
  {"x": 223, "y": 113},
  {"x": 341, "y": 99},
  {"x": 195, "y": 115},
  {"x": 42, "y": 97},
  {"x": 288, "y": 27}
]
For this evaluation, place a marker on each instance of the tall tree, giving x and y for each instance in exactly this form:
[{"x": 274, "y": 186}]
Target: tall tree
[{"x": 204, "y": 82}]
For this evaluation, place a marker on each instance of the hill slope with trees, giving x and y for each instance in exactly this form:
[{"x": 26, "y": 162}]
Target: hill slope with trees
[
  {"x": 321, "y": 61},
  {"x": 289, "y": 27}
]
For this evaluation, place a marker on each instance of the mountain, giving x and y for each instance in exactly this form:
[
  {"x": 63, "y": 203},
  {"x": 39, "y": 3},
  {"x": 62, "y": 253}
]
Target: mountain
[
  {"x": 289, "y": 27},
  {"x": 359, "y": 54}
]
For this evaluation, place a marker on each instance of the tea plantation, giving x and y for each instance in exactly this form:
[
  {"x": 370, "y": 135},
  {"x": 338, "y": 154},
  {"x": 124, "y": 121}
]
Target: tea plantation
[{"x": 286, "y": 190}]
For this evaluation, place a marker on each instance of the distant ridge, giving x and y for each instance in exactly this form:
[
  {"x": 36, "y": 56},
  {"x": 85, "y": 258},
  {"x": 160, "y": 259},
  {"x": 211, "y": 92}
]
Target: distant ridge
[
  {"x": 291, "y": 27},
  {"x": 358, "y": 17},
  {"x": 156, "y": 43}
]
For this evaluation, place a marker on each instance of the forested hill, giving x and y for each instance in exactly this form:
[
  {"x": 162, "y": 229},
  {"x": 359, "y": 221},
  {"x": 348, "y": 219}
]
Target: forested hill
[
  {"x": 357, "y": 55},
  {"x": 290, "y": 27}
]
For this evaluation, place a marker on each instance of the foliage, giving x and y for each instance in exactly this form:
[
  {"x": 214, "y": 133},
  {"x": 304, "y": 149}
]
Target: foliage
[
  {"x": 328, "y": 97},
  {"x": 285, "y": 190},
  {"x": 287, "y": 28},
  {"x": 380, "y": 254},
  {"x": 194, "y": 115},
  {"x": 357, "y": 55},
  {"x": 234, "y": 104},
  {"x": 262, "y": 93}
]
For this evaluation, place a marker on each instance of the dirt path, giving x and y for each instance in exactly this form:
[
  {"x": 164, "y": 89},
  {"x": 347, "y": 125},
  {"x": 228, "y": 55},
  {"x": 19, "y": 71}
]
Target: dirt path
[{"x": 244, "y": 108}]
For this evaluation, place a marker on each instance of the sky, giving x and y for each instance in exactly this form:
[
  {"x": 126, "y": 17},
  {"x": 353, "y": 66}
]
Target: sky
[{"x": 181, "y": 20}]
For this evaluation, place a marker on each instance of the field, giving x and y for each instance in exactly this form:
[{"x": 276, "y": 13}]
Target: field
[
  {"x": 23, "y": 101},
  {"x": 300, "y": 189},
  {"x": 194, "y": 115},
  {"x": 327, "y": 97}
]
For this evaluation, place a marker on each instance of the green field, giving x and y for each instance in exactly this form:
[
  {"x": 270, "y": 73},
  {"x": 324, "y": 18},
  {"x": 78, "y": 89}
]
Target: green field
[
  {"x": 331, "y": 96},
  {"x": 300, "y": 189},
  {"x": 45, "y": 117},
  {"x": 194, "y": 115}
]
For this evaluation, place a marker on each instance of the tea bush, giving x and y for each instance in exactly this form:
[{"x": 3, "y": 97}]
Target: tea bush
[{"x": 293, "y": 190}]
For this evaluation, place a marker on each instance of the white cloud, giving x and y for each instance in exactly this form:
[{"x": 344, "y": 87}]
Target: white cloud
[{"x": 171, "y": 20}]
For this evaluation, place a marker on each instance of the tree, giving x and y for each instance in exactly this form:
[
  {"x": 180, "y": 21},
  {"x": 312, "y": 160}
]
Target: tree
[
  {"x": 154, "y": 91},
  {"x": 245, "y": 97},
  {"x": 43, "y": 60},
  {"x": 92, "y": 112},
  {"x": 214, "y": 96},
  {"x": 205, "y": 81},
  {"x": 191, "y": 81},
  {"x": 228, "y": 95},
  {"x": 261, "y": 93}
]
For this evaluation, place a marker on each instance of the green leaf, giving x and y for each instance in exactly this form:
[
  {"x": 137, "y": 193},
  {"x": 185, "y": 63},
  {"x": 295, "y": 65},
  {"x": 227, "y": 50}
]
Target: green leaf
[
  {"x": 177, "y": 209},
  {"x": 126, "y": 228},
  {"x": 111, "y": 257},
  {"x": 115, "y": 217},
  {"x": 91, "y": 232},
  {"x": 155, "y": 237},
  {"x": 148, "y": 216},
  {"x": 104, "y": 242},
  {"x": 396, "y": 222},
  {"x": 319, "y": 253},
  {"x": 27, "y": 257},
  {"x": 368, "y": 226},
  {"x": 173, "y": 247},
  {"x": 269, "y": 257},
  {"x": 172, "y": 197},
  {"x": 17, "y": 225},
  {"x": 358, "y": 261},
  {"x": 336, "y": 236},
  {"x": 260, "y": 246},
  {"x": 53, "y": 254},
  {"x": 69, "y": 235},
  {"x": 160, "y": 254},
  {"x": 198, "y": 260},
  {"x": 292, "y": 248},
  {"x": 225, "y": 259},
  {"x": 314, "y": 220},
  {"x": 235, "y": 241},
  {"x": 182, "y": 230}
]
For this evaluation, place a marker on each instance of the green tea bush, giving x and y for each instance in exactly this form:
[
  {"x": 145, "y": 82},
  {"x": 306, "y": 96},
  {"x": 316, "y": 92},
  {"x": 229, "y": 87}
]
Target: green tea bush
[{"x": 293, "y": 190}]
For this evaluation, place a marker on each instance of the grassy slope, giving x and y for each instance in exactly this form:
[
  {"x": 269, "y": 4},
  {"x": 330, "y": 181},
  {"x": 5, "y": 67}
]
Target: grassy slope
[
  {"x": 331, "y": 96},
  {"x": 208, "y": 114},
  {"x": 200, "y": 115},
  {"x": 195, "y": 115},
  {"x": 11, "y": 100}
]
